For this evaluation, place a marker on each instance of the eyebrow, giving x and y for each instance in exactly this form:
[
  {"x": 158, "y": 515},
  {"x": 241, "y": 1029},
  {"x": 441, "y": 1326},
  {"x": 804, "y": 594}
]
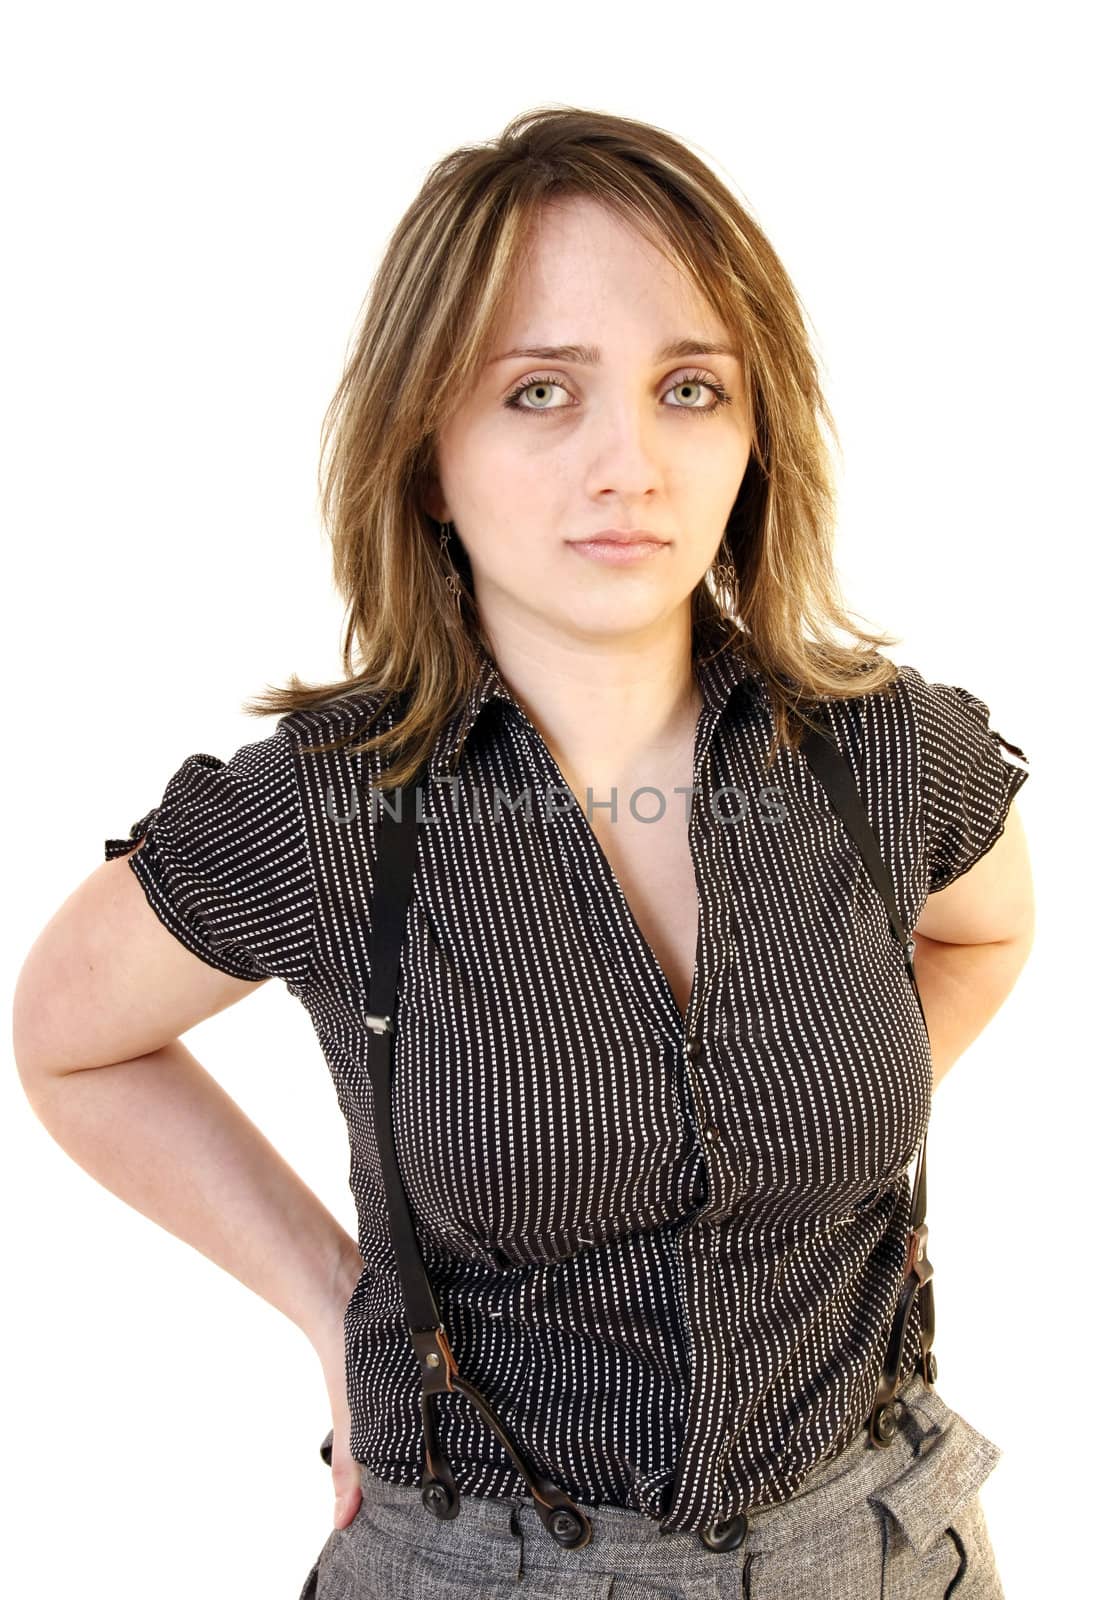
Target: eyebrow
[{"x": 589, "y": 355}]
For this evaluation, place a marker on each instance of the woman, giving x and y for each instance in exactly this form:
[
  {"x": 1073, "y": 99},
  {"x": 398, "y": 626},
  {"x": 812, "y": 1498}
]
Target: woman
[{"x": 657, "y": 1063}]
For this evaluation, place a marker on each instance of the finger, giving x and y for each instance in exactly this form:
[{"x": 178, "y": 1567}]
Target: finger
[
  {"x": 346, "y": 1507},
  {"x": 347, "y": 1491}
]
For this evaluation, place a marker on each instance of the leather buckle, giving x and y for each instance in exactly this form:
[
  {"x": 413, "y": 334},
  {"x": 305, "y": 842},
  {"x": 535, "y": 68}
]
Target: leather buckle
[{"x": 917, "y": 1259}]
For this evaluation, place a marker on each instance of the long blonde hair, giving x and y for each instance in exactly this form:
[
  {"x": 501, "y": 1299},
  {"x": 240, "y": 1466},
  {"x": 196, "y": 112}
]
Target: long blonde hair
[{"x": 425, "y": 334}]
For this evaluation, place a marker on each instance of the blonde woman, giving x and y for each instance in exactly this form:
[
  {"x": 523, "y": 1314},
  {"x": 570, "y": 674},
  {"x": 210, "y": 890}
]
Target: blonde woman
[{"x": 635, "y": 1021}]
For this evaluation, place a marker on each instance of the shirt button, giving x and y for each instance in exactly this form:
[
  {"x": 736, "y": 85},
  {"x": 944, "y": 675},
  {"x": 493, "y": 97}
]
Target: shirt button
[
  {"x": 694, "y": 1048},
  {"x": 712, "y": 1132}
]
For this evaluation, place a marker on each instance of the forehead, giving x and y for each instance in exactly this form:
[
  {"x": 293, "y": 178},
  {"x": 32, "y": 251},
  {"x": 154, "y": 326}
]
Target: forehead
[{"x": 589, "y": 281}]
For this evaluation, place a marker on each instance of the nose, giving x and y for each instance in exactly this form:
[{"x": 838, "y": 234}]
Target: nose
[{"x": 626, "y": 457}]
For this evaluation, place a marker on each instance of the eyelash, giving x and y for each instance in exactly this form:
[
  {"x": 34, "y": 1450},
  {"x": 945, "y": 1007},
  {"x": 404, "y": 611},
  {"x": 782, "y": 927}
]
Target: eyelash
[{"x": 723, "y": 396}]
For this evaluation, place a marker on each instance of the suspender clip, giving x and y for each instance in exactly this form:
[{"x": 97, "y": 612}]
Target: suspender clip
[{"x": 917, "y": 1261}]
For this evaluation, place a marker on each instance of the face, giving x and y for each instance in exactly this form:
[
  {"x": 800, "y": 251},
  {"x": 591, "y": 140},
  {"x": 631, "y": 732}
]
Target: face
[{"x": 546, "y": 451}]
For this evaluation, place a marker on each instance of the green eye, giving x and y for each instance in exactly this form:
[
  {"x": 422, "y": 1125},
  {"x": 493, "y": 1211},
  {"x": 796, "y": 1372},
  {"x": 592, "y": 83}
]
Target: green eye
[{"x": 692, "y": 380}]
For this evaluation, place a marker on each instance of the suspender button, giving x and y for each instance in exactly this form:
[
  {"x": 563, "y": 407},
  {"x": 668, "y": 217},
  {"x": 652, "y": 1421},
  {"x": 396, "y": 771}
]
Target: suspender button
[
  {"x": 886, "y": 1422},
  {"x": 437, "y": 1499},
  {"x": 566, "y": 1528},
  {"x": 725, "y": 1535}
]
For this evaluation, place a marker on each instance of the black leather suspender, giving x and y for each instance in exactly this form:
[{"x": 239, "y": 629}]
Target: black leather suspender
[
  {"x": 835, "y": 776},
  {"x": 564, "y": 1521}
]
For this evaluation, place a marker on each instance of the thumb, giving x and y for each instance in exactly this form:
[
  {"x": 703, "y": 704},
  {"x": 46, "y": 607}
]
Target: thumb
[
  {"x": 346, "y": 1507},
  {"x": 344, "y": 1470},
  {"x": 347, "y": 1491}
]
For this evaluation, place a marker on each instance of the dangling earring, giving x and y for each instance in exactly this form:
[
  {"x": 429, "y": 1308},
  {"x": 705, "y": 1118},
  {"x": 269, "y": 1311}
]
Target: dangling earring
[
  {"x": 452, "y": 580},
  {"x": 725, "y": 580}
]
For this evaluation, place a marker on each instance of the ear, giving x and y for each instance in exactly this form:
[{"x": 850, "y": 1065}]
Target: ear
[{"x": 433, "y": 503}]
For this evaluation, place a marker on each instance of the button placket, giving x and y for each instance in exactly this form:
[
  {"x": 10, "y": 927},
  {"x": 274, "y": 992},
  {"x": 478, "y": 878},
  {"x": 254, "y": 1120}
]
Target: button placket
[
  {"x": 692, "y": 1053},
  {"x": 710, "y": 1132}
]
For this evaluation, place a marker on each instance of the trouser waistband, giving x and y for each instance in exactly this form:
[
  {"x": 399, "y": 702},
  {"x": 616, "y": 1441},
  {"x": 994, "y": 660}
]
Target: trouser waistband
[{"x": 831, "y": 1488}]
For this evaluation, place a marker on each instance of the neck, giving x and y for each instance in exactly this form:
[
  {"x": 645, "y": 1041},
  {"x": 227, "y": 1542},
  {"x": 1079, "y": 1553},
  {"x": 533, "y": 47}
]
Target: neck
[{"x": 609, "y": 711}]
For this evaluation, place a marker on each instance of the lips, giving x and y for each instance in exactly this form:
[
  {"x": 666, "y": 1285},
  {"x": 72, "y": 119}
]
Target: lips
[
  {"x": 619, "y": 551},
  {"x": 621, "y": 536}
]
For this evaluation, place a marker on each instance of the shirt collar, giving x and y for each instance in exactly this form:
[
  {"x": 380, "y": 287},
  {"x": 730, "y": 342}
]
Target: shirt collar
[{"x": 718, "y": 675}]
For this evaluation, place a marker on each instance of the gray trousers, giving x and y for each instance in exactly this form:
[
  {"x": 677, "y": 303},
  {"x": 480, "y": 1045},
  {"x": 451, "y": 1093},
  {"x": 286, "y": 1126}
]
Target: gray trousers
[{"x": 901, "y": 1523}]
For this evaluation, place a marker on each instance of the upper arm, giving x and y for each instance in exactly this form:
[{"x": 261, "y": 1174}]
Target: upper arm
[
  {"x": 105, "y": 981},
  {"x": 992, "y": 900},
  {"x": 218, "y": 897}
]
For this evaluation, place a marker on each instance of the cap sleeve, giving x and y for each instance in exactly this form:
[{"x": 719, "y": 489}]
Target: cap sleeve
[
  {"x": 224, "y": 862},
  {"x": 967, "y": 785}
]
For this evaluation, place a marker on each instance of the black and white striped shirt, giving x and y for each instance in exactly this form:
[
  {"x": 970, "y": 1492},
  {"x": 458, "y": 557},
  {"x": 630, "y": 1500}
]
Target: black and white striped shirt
[{"x": 666, "y": 1250}]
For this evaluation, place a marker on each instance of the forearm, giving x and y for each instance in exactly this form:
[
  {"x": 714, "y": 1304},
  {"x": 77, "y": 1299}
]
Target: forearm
[
  {"x": 164, "y": 1136},
  {"x": 962, "y": 986}
]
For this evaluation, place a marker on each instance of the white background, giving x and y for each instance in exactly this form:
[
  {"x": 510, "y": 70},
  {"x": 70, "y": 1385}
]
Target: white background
[{"x": 196, "y": 199}]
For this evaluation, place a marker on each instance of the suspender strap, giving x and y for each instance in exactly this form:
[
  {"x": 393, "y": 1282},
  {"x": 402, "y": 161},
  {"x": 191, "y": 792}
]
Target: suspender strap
[
  {"x": 834, "y": 774},
  {"x": 396, "y": 857}
]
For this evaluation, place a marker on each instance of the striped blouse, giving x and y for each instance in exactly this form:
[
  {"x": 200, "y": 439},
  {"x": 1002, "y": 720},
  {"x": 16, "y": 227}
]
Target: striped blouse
[{"x": 666, "y": 1248}]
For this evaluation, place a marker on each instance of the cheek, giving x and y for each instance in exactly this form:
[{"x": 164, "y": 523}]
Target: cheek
[
  {"x": 506, "y": 488},
  {"x": 696, "y": 553},
  {"x": 485, "y": 466}
]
